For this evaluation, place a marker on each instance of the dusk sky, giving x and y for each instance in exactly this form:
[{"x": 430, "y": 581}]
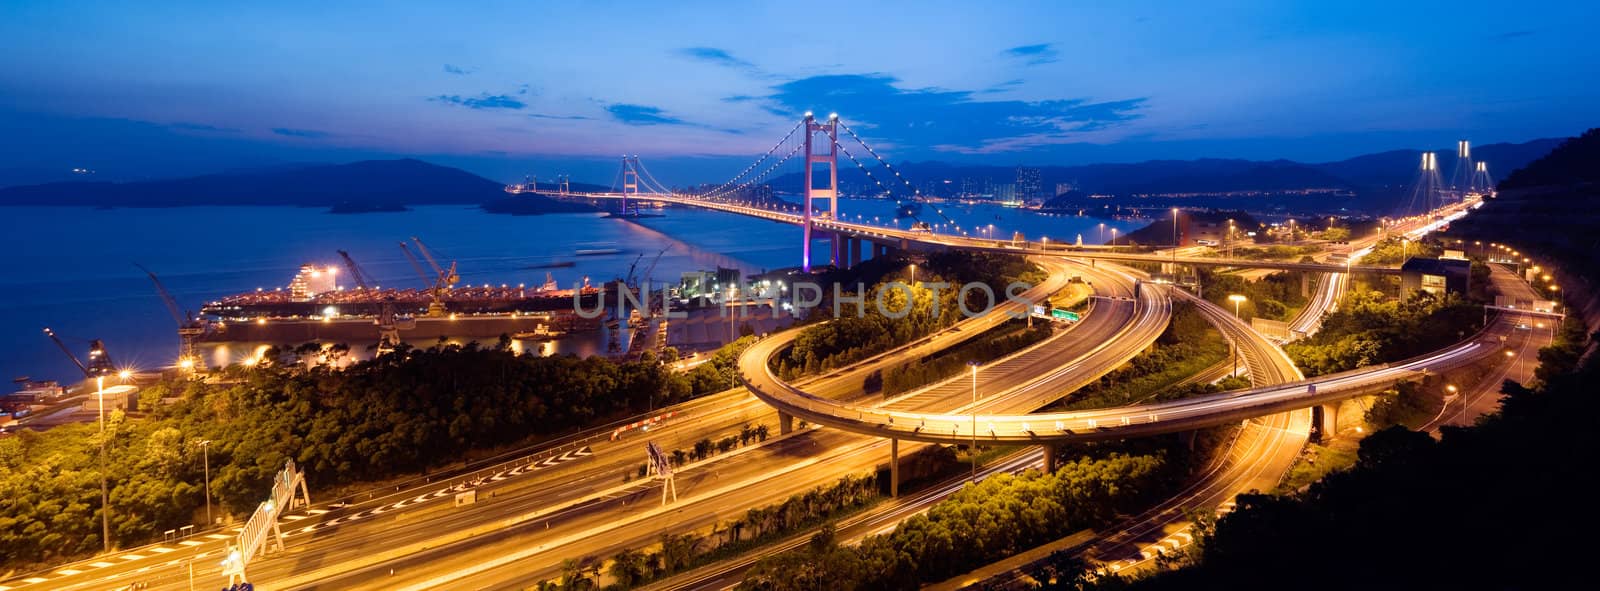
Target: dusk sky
[{"x": 135, "y": 89}]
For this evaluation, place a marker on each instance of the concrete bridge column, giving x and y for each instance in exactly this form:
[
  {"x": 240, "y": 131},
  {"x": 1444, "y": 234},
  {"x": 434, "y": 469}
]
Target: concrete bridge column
[
  {"x": 1327, "y": 417},
  {"x": 785, "y": 423},
  {"x": 879, "y": 250},
  {"x": 1050, "y": 450},
  {"x": 836, "y": 249},
  {"x": 894, "y": 468},
  {"x": 1305, "y": 285},
  {"x": 855, "y": 251}
]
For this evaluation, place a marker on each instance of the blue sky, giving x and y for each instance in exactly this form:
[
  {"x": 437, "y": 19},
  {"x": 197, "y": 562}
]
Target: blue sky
[{"x": 700, "y": 88}]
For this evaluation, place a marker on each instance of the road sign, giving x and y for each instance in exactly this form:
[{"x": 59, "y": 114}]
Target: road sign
[{"x": 1067, "y": 315}]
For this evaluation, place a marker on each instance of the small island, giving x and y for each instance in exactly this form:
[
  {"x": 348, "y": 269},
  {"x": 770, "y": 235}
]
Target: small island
[{"x": 349, "y": 207}]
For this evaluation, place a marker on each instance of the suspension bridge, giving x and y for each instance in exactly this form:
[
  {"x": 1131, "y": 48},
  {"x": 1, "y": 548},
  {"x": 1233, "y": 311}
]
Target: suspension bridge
[{"x": 816, "y": 144}]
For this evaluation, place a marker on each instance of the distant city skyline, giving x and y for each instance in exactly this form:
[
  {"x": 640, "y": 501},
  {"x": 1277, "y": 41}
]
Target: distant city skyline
[{"x": 507, "y": 89}]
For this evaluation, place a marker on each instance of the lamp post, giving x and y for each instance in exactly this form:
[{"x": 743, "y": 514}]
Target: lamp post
[
  {"x": 1102, "y": 232},
  {"x": 1113, "y": 236},
  {"x": 974, "y": 451},
  {"x": 205, "y": 454},
  {"x": 913, "y": 273},
  {"x": 1236, "y": 299},
  {"x": 105, "y": 495}
]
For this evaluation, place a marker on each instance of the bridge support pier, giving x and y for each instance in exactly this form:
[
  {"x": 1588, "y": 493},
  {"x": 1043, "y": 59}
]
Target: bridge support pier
[
  {"x": 785, "y": 423},
  {"x": 854, "y": 245},
  {"x": 1050, "y": 450},
  {"x": 1327, "y": 417},
  {"x": 894, "y": 468},
  {"x": 879, "y": 250},
  {"x": 1305, "y": 285}
]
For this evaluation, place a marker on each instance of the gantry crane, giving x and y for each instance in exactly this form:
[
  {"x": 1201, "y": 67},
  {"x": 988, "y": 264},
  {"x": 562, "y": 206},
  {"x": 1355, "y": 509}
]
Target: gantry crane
[
  {"x": 440, "y": 284},
  {"x": 189, "y": 327},
  {"x": 99, "y": 365},
  {"x": 388, "y": 329}
]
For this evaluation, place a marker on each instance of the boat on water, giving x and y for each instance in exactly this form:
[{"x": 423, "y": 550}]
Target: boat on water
[
  {"x": 590, "y": 252},
  {"x": 313, "y": 308}
]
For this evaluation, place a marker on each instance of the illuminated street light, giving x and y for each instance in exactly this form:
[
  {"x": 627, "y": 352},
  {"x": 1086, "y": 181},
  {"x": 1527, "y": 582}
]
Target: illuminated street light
[
  {"x": 105, "y": 495},
  {"x": 1236, "y": 299},
  {"x": 974, "y": 450}
]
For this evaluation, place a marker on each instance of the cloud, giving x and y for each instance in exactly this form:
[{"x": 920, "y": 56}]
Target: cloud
[
  {"x": 947, "y": 120},
  {"x": 457, "y": 70},
  {"x": 1509, "y": 35},
  {"x": 563, "y": 117},
  {"x": 483, "y": 101},
  {"x": 1033, "y": 55},
  {"x": 200, "y": 127},
  {"x": 301, "y": 133},
  {"x": 716, "y": 56},
  {"x": 1003, "y": 86},
  {"x": 642, "y": 115}
]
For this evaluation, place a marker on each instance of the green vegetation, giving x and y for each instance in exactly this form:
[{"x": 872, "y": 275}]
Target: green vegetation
[
  {"x": 1002, "y": 340},
  {"x": 1276, "y": 252},
  {"x": 1405, "y": 404},
  {"x": 676, "y": 553},
  {"x": 1274, "y": 297},
  {"x": 1395, "y": 250},
  {"x": 1484, "y": 507},
  {"x": 999, "y": 517},
  {"x": 706, "y": 448},
  {"x": 413, "y": 410},
  {"x": 1369, "y": 328},
  {"x": 1317, "y": 461},
  {"x": 1187, "y": 346},
  {"x": 1499, "y": 496}
]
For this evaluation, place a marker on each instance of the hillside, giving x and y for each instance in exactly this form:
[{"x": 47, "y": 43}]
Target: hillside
[
  {"x": 370, "y": 185},
  {"x": 1367, "y": 182}
]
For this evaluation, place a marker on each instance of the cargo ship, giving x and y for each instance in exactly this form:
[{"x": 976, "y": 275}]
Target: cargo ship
[{"x": 314, "y": 308}]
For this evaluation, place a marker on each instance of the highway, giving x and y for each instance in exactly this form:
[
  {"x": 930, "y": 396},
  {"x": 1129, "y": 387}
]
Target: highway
[
  {"x": 1260, "y": 453},
  {"x": 338, "y": 537},
  {"x": 518, "y": 560},
  {"x": 924, "y": 240}
]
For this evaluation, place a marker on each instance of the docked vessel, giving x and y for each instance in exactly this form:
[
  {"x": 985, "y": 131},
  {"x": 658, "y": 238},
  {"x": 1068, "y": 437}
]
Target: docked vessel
[{"x": 315, "y": 308}]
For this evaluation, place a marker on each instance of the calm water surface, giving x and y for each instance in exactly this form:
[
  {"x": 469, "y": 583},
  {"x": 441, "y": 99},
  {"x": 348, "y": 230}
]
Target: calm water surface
[{"x": 72, "y": 269}]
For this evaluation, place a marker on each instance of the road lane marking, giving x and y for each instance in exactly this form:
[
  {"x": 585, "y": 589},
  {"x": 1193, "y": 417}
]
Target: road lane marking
[{"x": 131, "y": 556}]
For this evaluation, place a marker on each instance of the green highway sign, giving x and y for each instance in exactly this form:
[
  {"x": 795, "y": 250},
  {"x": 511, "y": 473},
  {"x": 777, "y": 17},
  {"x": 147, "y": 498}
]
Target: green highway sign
[{"x": 1067, "y": 315}]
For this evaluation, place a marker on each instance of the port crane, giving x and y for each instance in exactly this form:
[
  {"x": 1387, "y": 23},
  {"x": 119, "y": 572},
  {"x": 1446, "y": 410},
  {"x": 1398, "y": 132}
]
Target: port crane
[
  {"x": 444, "y": 278},
  {"x": 189, "y": 326},
  {"x": 99, "y": 364},
  {"x": 388, "y": 328}
]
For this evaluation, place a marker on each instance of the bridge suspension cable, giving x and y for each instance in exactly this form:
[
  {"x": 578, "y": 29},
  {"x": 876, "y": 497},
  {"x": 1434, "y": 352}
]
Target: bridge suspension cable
[
  {"x": 758, "y": 178},
  {"x": 652, "y": 184},
  {"x": 915, "y": 192},
  {"x": 722, "y": 189}
]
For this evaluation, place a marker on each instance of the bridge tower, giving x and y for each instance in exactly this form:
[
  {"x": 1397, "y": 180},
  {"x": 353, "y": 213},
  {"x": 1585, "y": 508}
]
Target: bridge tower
[
  {"x": 829, "y": 156},
  {"x": 630, "y": 180}
]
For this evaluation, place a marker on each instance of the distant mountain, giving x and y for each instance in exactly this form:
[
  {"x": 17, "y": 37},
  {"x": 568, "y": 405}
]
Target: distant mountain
[
  {"x": 1575, "y": 163},
  {"x": 370, "y": 185},
  {"x": 1372, "y": 181}
]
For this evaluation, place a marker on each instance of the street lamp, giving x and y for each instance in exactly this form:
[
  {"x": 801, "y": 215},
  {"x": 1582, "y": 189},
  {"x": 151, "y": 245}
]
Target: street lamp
[
  {"x": 205, "y": 454},
  {"x": 1236, "y": 299},
  {"x": 974, "y": 451},
  {"x": 105, "y": 495},
  {"x": 913, "y": 273}
]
